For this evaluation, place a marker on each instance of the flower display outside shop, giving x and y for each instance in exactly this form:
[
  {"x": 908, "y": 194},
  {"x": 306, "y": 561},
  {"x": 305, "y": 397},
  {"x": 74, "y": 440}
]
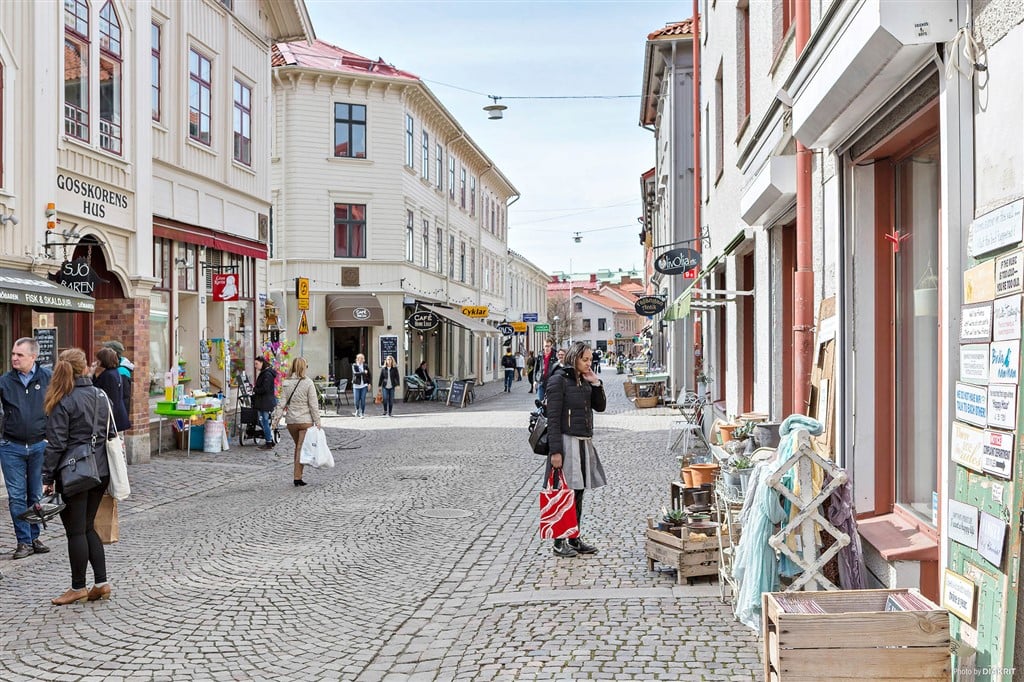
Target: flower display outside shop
[{"x": 279, "y": 355}]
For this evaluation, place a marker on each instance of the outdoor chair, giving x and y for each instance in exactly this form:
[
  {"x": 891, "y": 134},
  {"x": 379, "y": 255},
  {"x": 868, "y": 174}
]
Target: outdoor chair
[
  {"x": 342, "y": 394},
  {"x": 441, "y": 388},
  {"x": 415, "y": 389},
  {"x": 331, "y": 398}
]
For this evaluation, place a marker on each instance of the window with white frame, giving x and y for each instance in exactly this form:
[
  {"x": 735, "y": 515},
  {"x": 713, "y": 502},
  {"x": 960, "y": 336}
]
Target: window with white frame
[
  {"x": 410, "y": 239},
  {"x": 410, "y": 153},
  {"x": 451, "y": 256},
  {"x": 76, "y": 69},
  {"x": 350, "y": 231},
  {"x": 242, "y": 123},
  {"x": 472, "y": 195},
  {"x": 440, "y": 251},
  {"x": 110, "y": 80},
  {"x": 451, "y": 177},
  {"x": 199, "y": 99},
  {"x": 472, "y": 265},
  {"x": 439, "y": 168},
  {"x": 462, "y": 261},
  {"x": 425, "y": 170},
  {"x": 154, "y": 68},
  {"x": 350, "y": 130},
  {"x": 462, "y": 187},
  {"x": 602, "y": 324},
  {"x": 426, "y": 244}
]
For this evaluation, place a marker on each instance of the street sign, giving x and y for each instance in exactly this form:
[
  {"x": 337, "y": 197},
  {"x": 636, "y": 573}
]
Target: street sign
[
  {"x": 303, "y": 324},
  {"x": 542, "y": 328},
  {"x": 519, "y": 327},
  {"x": 477, "y": 311},
  {"x": 529, "y": 317},
  {"x": 676, "y": 261},
  {"x": 506, "y": 329},
  {"x": 649, "y": 305},
  {"x": 302, "y": 293}
]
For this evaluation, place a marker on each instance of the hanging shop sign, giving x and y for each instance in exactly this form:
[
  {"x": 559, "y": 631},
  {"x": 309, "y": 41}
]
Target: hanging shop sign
[
  {"x": 998, "y": 228},
  {"x": 677, "y": 261},
  {"x": 1006, "y": 319},
  {"x": 976, "y": 323},
  {"x": 1010, "y": 273},
  {"x": 998, "y": 454},
  {"x": 974, "y": 363},
  {"x": 476, "y": 311},
  {"x": 649, "y": 305},
  {"x": 542, "y": 328},
  {"x": 980, "y": 282},
  {"x": 519, "y": 327},
  {"x": 77, "y": 275},
  {"x": 86, "y": 198},
  {"x": 506, "y": 329},
  {"x": 1004, "y": 362},
  {"x": 962, "y": 523},
  {"x": 1001, "y": 409},
  {"x": 971, "y": 404},
  {"x": 966, "y": 446},
  {"x": 225, "y": 286},
  {"x": 423, "y": 320}
]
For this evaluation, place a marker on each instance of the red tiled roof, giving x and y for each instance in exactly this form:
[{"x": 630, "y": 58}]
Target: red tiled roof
[
  {"x": 679, "y": 28},
  {"x": 321, "y": 55},
  {"x": 606, "y": 301}
]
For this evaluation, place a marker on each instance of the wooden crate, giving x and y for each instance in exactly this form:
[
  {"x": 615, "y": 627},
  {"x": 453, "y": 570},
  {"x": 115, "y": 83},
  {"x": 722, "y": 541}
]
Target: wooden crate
[
  {"x": 690, "y": 558},
  {"x": 855, "y": 639}
]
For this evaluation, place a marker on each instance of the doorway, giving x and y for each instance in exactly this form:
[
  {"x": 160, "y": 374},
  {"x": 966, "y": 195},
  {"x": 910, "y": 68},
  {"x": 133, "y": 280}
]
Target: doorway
[{"x": 346, "y": 343}]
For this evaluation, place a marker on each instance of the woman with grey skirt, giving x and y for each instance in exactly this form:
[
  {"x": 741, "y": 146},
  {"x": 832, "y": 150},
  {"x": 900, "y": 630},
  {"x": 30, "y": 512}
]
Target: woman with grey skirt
[{"x": 573, "y": 393}]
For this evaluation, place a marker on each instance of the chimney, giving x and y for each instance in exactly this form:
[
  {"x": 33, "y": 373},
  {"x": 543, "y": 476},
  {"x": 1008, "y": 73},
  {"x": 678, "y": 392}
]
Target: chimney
[{"x": 593, "y": 278}]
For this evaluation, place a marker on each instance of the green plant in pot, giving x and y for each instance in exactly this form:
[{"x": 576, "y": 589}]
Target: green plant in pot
[
  {"x": 741, "y": 463},
  {"x": 675, "y": 517}
]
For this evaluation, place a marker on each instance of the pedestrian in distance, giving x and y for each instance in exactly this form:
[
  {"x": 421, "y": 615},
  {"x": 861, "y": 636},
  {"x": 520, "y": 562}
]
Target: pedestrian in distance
[
  {"x": 520, "y": 365},
  {"x": 574, "y": 393},
  {"x": 75, "y": 409},
  {"x": 22, "y": 390},
  {"x": 108, "y": 379},
  {"x": 302, "y": 410},
  {"x": 508, "y": 363},
  {"x": 389, "y": 380},
  {"x": 424, "y": 376},
  {"x": 127, "y": 370},
  {"x": 531, "y": 364},
  {"x": 360, "y": 383},
  {"x": 598, "y": 356},
  {"x": 264, "y": 400},
  {"x": 546, "y": 364}
]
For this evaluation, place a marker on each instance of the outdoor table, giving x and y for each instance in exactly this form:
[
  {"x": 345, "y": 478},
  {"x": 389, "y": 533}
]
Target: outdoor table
[
  {"x": 650, "y": 384},
  {"x": 167, "y": 409}
]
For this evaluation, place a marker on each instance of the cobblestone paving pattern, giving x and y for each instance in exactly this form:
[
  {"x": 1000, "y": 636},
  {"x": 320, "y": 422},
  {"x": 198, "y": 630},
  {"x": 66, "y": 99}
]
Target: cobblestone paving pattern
[{"x": 415, "y": 558}]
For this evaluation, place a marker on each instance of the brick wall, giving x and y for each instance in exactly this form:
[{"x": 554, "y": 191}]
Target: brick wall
[{"x": 127, "y": 321}]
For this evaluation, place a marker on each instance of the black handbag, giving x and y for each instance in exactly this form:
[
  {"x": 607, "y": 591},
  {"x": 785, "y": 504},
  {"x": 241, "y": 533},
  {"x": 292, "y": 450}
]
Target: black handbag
[
  {"x": 78, "y": 470},
  {"x": 539, "y": 436}
]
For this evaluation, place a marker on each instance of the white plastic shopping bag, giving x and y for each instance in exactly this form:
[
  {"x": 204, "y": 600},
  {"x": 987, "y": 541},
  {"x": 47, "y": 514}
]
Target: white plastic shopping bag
[
  {"x": 324, "y": 458},
  {"x": 308, "y": 453}
]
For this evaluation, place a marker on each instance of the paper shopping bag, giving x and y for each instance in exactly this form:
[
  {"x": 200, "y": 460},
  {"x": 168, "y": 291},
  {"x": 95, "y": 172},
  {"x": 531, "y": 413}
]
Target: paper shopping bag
[
  {"x": 558, "y": 510},
  {"x": 106, "y": 520}
]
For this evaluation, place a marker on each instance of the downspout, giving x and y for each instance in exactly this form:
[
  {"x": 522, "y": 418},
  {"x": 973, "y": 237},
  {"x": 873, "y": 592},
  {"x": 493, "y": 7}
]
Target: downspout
[
  {"x": 698, "y": 335},
  {"x": 803, "y": 284}
]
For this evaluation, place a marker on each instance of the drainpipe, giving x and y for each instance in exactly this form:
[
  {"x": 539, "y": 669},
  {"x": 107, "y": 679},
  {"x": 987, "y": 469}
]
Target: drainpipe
[
  {"x": 803, "y": 285},
  {"x": 698, "y": 335}
]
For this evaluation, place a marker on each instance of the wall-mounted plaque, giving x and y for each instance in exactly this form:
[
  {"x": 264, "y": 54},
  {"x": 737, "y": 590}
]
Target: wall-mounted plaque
[
  {"x": 976, "y": 323},
  {"x": 998, "y": 228},
  {"x": 962, "y": 523},
  {"x": 1009, "y": 273},
  {"x": 958, "y": 596},
  {"x": 980, "y": 282},
  {"x": 1002, "y": 406},
  {"x": 998, "y": 454},
  {"x": 1006, "y": 319},
  {"x": 991, "y": 539},
  {"x": 974, "y": 363},
  {"x": 966, "y": 446},
  {"x": 1004, "y": 362},
  {"x": 971, "y": 404}
]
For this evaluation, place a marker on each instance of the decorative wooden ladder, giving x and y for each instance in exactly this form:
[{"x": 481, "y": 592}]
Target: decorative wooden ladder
[{"x": 803, "y": 523}]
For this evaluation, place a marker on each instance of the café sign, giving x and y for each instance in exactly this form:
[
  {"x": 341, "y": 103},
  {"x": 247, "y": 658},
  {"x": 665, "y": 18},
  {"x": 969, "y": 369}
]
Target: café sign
[
  {"x": 677, "y": 261},
  {"x": 88, "y": 199},
  {"x": 423, "y": 320},
  {"x": 649, "y": 305}
]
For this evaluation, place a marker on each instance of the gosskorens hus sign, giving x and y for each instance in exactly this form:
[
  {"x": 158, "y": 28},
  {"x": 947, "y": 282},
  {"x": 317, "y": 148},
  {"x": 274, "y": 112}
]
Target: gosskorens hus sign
[{"x": 85, "y": 198}]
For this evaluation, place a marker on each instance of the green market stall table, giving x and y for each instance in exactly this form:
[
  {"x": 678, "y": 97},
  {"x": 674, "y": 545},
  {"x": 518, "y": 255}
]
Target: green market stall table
[
  {"x": 650, "y": 388},
  {"x": 169, "y": 410}
]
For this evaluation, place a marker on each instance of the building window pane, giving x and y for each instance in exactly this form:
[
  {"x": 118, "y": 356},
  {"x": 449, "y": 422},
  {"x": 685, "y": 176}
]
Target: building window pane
[
  {"x": 410, "y": 154},
  {"x": 462, "y": 261},
  {"x": 440, "y": 251},
  {"x": 242, "y": 123},
  {"x": 602, "y": 324},
  {"x": 440, "y": 167},
  {"x": 451, "y": 256},
  {"x": 426, "y": 244},
  {"x": 410, "y": 239},
  {"x": 425, "y": 170},
  {"x": 76, "y": 88},
  {"x": 462, "y": 187},
  {"x": 154, "y": 67},
  {"x": 451, "y": 177},
  {"x": 350, "y": 231},
  {"x": 199, "y": 107},
  {"x": 110, "y": 80},
  {"x": 350, "y": 130}
]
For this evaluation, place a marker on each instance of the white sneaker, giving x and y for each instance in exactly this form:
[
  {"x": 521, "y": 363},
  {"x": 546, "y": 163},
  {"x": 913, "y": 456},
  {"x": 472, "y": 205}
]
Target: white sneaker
[
  {"x": 355, "y": 414},
  {"x": 361, "y": 415}
]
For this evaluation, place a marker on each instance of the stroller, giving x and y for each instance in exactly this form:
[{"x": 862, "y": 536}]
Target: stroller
[{"x": 247, "y": 418}]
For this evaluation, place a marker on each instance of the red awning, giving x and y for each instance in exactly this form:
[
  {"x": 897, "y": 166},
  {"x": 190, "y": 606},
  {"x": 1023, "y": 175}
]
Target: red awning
[{"x": 213, "y": 239}]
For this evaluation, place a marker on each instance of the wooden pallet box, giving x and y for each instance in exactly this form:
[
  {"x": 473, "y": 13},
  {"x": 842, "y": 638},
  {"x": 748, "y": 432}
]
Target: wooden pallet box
[
  {"x": 854, "y": 639},
  {"x": 690, "y": 558}
]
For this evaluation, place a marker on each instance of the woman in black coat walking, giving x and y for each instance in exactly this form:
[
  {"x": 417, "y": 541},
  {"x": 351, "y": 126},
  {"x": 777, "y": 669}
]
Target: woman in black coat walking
[
  {"x": 574, "y": 393},
  {"x": 108, "y": 378},
  {"x": 388, "y": 382},
  {"x": 264, "y": 399}
]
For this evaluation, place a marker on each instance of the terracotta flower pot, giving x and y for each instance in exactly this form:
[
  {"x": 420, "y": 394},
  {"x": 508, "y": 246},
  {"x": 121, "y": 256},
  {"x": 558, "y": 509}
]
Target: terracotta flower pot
[
  {"x": 688, "y": 476},
  {"x": 725, "y": 432},
  {"x": 703, "y": 473}
]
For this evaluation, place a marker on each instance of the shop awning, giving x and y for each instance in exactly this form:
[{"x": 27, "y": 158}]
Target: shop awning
[
  {"x": 213, "y": 239},
  {"x": 24, "y": 288},
  {"x": 354, "y": 310},
  {"x": 461, "y": 320}
]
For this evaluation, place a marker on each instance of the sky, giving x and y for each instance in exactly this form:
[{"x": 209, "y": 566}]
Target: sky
[{"x": 576, "y": 162}]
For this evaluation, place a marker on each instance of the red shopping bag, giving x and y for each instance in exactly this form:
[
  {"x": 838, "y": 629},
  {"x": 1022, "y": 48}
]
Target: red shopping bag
[{"x": 558, "y": 510}]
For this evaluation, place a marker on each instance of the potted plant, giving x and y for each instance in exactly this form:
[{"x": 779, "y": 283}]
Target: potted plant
[{"x": 674, "y": 519}]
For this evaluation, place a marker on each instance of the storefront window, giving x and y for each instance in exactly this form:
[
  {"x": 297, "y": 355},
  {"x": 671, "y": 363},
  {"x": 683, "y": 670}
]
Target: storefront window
[
  {"x": 159, "y": 340},
  {"x": 917, "y": 362},
  {"x": 188, "y": 267}
]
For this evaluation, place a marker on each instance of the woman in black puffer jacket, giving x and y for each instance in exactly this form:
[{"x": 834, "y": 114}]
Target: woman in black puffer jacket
[{"x": 573, "y": 393}]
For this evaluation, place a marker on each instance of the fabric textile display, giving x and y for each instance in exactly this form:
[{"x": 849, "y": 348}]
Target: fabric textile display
[
  {"x": 106, "y": 524},
  {"x": 756, "y": 569},
  {"x": 558, "y": 510}
]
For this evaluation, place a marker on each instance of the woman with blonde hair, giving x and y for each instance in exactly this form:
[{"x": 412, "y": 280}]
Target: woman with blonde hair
[
  {"x": 301, "y": 410},
  {"x": 74, "y": 408},
  {"x": 389, "y": 380}
]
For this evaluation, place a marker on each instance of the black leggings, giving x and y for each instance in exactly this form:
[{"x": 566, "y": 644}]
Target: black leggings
[{"x": 84, "y": 546}]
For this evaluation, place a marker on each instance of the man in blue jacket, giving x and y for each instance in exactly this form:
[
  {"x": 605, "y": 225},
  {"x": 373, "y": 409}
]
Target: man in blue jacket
[{"x": 22, "y": 443}]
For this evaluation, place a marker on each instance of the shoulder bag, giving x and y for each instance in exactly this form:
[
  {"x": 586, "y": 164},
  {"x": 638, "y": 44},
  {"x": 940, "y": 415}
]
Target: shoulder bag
[
  {"x": 539, "y": 436},
  {"x": 119, "y": 488},
  {"x": 78, "y": 471}
]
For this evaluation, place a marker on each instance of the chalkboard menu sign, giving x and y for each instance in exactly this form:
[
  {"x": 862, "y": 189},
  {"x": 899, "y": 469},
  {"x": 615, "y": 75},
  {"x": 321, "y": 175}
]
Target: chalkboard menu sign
[
  {"x": 47, "y": 339},
  {"x": 457, "y": 394},
  {"x": 388, "y": 346}
]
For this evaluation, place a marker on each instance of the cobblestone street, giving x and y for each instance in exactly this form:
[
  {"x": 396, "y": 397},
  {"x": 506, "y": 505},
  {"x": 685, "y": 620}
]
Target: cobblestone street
[{"x": 415, "y": 558}]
